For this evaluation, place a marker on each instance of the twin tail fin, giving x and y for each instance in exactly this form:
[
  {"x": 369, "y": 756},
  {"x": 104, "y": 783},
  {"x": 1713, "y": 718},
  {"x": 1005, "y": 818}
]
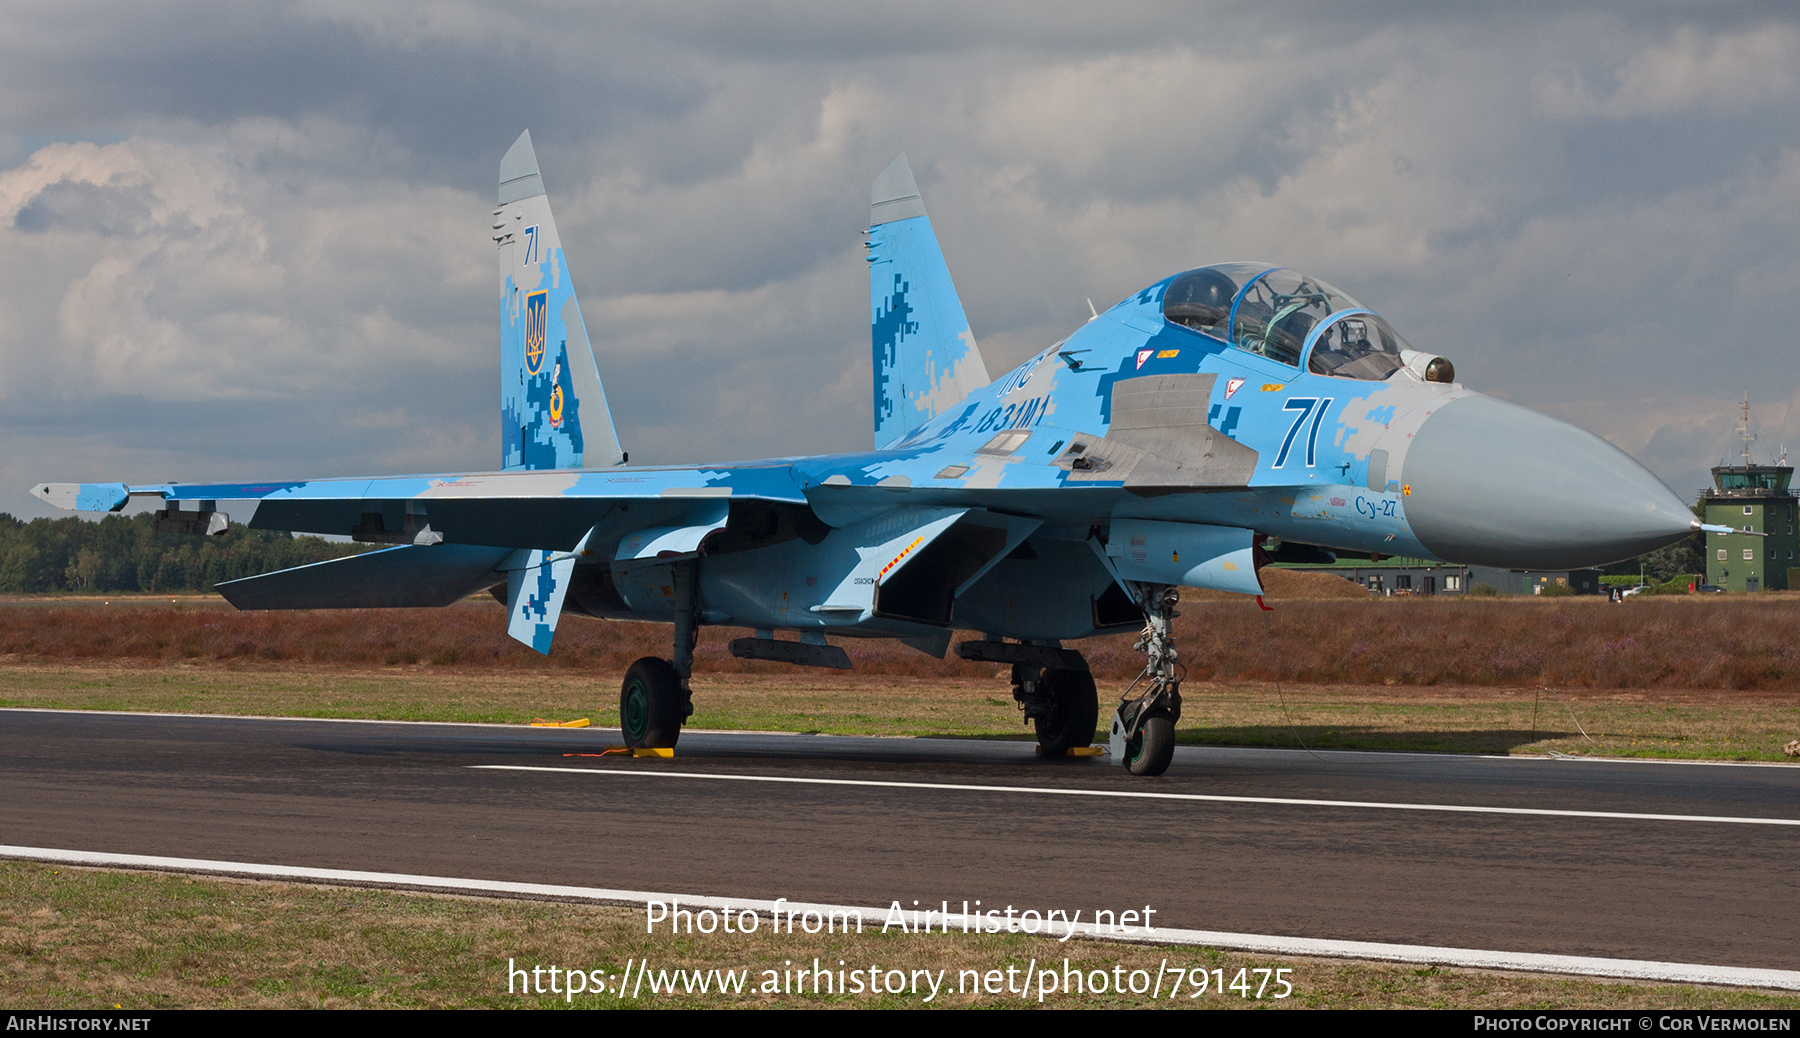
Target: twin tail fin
[
  {"x": 925, "y": 358},
  {"x": 553, "y": 412}
]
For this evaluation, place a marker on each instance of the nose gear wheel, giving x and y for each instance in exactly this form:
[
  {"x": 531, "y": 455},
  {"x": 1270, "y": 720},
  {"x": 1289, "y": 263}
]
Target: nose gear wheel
[{"x": 1145, "y": 726}]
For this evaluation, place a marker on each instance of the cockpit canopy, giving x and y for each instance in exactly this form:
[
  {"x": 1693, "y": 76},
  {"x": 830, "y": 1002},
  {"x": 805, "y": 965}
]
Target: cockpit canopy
[{"x": 1286, "y": 316}]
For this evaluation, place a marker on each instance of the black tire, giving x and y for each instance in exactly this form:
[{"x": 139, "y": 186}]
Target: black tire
[
  {"x": 1153, "y": 749},
  {"x": 650, "y": 704},
  {"x": 1074, "y": 716}
]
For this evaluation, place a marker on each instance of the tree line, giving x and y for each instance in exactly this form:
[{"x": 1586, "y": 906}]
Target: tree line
[{"x": 127, "y": 553}]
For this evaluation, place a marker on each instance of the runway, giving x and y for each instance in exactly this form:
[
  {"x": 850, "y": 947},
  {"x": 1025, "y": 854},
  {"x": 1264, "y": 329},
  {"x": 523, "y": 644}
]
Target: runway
[{"x": 1638, "y": 860}]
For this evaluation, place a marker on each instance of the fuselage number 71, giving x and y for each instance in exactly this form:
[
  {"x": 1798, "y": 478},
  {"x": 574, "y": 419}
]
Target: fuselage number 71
[{"x": 1308, "y": 407}]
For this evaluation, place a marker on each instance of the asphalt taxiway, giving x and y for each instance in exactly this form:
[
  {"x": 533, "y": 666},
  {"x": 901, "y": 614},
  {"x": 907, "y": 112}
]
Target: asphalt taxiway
[{"x": 1637, "y": 860}]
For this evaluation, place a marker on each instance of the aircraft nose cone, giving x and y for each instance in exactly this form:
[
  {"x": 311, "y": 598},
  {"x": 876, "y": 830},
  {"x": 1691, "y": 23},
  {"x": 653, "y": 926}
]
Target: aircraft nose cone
[{"x": 1496, "y": 484}]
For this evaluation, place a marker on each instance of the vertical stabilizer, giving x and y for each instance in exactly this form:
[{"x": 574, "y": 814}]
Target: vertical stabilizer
[
  {"x": 553, "y": 412},
  {"x": 925, "y": 357}
]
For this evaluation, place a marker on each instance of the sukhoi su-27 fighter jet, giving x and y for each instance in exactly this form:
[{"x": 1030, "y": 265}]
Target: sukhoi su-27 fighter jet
[{"x": 1220, "y": 418}]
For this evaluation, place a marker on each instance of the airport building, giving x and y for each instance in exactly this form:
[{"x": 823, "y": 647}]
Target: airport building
[{"x": 1754, "y": 500}]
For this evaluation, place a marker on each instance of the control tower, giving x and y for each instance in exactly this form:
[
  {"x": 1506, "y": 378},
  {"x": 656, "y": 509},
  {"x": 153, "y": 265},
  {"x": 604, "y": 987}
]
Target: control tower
[{"x": 1754, "y": 499}]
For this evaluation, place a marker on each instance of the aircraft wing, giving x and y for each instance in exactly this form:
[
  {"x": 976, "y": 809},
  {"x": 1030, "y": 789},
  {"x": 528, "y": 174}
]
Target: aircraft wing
[
  {"x": 456, "y": 534},
  {"x": 518, "y": 509}
]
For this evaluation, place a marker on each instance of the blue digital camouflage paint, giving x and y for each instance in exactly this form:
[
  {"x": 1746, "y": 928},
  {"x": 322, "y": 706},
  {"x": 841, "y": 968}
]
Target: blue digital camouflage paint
[
  {"x": 547, "y": 364},
  {"x": 924, "y": 357}
]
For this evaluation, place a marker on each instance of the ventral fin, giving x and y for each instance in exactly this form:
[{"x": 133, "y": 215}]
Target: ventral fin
[{"x": 537, "y": 581}]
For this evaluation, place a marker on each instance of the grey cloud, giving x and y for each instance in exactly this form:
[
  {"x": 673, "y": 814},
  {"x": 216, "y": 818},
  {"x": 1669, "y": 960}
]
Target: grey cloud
[
  {"x": 84, "y": 208},
  {"x": 709, "y": 171},
  {"x": 215, "y": 63}
]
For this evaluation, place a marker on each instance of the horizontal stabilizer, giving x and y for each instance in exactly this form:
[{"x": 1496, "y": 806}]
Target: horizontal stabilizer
[{"x": 393, "y": 578}]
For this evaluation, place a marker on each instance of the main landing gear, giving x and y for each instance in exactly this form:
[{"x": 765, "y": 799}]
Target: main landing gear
[
  {"x": 1061, "y": 703},
  {"x": 1053, "y": 687},
  {"x": 652, "y": 704},
  {"x": 654, "y": 700},
  {"x": 1143, "y": 729}
]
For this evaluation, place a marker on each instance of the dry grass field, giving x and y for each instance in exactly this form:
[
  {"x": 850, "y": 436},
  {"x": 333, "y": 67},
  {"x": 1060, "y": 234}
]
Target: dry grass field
[
  {"x": 1688, "y": 676},
  {"x": 1743, "y": 643}
]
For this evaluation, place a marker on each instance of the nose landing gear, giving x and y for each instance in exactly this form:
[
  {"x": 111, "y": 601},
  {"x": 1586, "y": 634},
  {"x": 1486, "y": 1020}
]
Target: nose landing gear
[{"x": 1143, "y": 729}]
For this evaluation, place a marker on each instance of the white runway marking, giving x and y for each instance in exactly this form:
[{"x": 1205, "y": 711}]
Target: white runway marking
[
  {"x": 1137, "y": 795},
  {"x": 1639, "y": 969}
]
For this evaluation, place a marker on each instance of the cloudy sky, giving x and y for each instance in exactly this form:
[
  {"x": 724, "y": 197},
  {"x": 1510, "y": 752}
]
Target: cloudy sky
[{"x": 248, "y": 241}]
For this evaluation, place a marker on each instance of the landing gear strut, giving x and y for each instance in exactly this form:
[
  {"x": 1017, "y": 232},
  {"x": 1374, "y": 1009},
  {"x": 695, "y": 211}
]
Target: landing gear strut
[
  {"x": 655, "y": 700},
  {"x": 1143, "y": 729}
]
